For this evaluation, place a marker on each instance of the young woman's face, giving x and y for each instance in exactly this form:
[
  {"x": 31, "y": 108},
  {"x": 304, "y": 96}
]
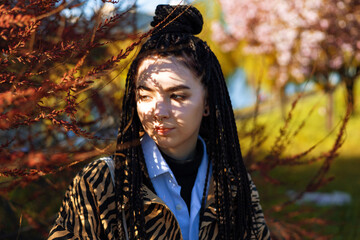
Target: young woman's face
[{"x": 170, "y": 104}]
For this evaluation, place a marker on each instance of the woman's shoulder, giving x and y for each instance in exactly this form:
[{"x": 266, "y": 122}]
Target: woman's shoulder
[
  {"x": 97, "y": 165},
  {"x": 88, "y": 205},
  {"x": 96, "y": 175}
]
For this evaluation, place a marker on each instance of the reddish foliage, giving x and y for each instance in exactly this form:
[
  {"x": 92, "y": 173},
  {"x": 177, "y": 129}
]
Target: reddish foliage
[{"x": 48, "y": 58}]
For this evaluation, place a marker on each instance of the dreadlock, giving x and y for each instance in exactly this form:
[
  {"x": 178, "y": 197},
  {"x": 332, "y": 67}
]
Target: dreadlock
[{"x": 173, "y": 35}]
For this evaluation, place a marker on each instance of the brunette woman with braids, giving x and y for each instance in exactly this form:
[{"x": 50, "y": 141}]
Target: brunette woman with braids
[{"x": 177, "y": 172}]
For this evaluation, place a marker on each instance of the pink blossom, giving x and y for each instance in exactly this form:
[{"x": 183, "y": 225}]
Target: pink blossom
[{"x": 300, "y": 34}]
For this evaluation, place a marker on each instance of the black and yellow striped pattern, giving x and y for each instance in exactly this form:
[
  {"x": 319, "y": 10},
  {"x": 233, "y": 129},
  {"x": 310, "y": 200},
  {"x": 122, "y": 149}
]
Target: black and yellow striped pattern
[{"x": 88, "y": 211}]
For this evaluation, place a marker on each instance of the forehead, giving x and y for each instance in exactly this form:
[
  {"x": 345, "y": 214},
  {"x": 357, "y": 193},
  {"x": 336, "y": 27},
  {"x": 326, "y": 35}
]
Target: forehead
[{"x": 164, "y": 71}]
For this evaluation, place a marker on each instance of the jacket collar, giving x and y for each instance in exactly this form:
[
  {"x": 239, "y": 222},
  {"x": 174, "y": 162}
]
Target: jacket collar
[{"x": 150, "y": 197}]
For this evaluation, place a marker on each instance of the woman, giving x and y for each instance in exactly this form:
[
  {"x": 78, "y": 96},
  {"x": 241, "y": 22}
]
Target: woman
[{"x": 177, "y": 172}]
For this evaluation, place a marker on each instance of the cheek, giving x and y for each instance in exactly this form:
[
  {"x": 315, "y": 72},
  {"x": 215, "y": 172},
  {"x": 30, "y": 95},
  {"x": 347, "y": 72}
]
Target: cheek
[
  {"x": 144, "y": 112},
  {"x": 189, "y": 113}
]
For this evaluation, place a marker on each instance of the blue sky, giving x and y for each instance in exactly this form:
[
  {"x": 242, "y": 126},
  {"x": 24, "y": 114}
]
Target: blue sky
[
  {"x": 146, "y": 6},
  {"x": 149, "y": 6}
]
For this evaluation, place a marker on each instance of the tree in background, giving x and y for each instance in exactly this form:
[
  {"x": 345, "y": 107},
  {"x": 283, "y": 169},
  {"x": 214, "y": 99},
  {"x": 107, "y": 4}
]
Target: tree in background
[
  {"x": 60, "y": 95},
  {"x": 298, "y": 44},
  {"x": 304, "y": 39}
]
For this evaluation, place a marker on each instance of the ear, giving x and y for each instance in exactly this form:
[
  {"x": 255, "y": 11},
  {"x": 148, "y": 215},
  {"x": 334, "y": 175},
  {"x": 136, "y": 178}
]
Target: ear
[{"x": 206, "y": 110}]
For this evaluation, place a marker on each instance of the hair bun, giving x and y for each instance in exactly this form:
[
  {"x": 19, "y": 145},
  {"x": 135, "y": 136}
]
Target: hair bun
[{"x": 177, "y": 19}]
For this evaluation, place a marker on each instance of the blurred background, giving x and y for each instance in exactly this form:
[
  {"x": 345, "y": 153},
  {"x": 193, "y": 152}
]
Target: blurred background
[{"x": 292, "y": 69}]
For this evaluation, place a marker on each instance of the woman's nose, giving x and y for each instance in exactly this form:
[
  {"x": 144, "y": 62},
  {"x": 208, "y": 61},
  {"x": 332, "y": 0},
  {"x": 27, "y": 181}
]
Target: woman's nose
[{"x": 161, "y": 110}]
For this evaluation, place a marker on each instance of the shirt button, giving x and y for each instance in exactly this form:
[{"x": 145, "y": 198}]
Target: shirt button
[{"x": 178, "y": 207}]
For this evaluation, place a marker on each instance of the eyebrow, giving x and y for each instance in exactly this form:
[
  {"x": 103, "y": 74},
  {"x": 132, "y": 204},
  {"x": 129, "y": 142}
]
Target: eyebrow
[{"x": 170, "y": 89}]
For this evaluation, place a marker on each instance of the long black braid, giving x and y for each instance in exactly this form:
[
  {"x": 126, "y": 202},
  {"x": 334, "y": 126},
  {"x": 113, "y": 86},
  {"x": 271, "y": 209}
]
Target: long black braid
[{"x": 173, "y": 35}]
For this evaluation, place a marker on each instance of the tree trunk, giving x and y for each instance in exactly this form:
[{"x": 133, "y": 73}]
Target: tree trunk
[
  {"x": 349, "y": 84},
  {"x": 282, "y": 98},
  {"x": 134, "y": 20},
  {"x": 330, "y": 108}
]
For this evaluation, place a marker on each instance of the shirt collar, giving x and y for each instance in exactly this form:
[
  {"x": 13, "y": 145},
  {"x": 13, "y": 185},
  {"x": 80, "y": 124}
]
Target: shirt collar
[{"x": 155, "y": 163}]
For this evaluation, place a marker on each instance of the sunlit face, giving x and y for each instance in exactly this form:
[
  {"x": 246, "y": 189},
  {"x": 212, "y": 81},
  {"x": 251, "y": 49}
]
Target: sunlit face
[{"x": 170, "y": 104}]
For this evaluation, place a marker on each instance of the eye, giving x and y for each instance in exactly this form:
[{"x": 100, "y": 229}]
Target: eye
[
  {"x": 178, "y": 97},
  {"x": 143, "y": 97}
]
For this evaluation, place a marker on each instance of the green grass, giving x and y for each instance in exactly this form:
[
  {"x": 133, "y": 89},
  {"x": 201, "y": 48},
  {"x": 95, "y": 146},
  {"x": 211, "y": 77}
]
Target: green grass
[{"x": 341, "y": 222}]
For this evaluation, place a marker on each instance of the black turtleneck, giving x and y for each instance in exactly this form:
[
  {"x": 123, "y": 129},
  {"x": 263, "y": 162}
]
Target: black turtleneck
[{"x": 186, "y": 172}]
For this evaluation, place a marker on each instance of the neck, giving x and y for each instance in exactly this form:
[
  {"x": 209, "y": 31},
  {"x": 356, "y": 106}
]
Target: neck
[{"x": 180, "y": 156}]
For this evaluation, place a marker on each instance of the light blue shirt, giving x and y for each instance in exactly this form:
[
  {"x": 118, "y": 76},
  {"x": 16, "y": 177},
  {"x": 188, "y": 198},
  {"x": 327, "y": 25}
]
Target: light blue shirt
[{"x": 168, "y": 190}]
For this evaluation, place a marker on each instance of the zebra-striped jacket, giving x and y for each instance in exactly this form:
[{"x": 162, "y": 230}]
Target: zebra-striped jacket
[{"x": 88, "y": 210}]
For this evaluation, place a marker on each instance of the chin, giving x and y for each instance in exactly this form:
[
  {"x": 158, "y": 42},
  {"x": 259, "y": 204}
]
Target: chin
[{"x": 163, "y": 142}]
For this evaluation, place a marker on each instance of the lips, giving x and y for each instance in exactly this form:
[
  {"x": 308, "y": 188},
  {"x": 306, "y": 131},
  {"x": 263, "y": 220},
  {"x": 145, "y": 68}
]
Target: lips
[{"x": 163, "y": 130}]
